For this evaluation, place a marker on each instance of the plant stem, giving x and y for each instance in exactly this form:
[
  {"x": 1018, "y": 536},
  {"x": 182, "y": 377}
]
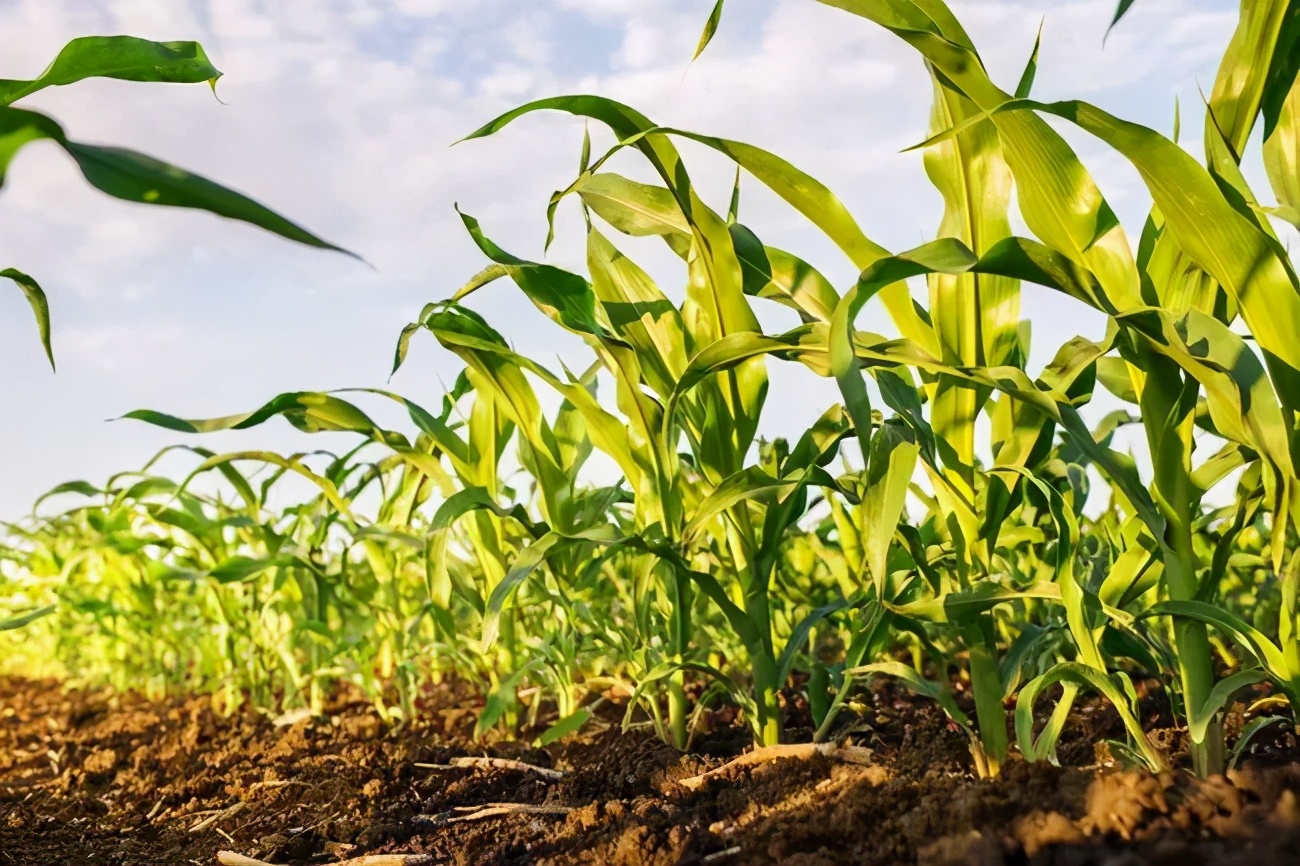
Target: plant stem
[
  {"x": 1195, "y": 669},
  {"x": 1168, "y": 401},
  {"x": 509, "y": 642},
  {"x": 677, "y": 709},
  {"x": 767, "y": 696},
  {"x": 680, "y": 627},
  {"x": 763, "y": 664},
  {"x": 986, "y": 685}
]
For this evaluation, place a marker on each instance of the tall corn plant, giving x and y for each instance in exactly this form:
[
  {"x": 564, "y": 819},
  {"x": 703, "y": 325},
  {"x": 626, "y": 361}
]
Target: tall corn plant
[
  {"x": 692, "y": 374},
  {"x": 991, "y": 136},
  {"x": 1207, "y": 257}
]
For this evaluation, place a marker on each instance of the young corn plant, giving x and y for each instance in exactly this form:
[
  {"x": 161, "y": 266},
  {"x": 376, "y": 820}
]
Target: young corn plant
[
  {"x": 1208, "y": 257},
  {"x": 978, "y": 330},
  {"x": 693, "y": 374},
  {"x": 481, "y": 542}
]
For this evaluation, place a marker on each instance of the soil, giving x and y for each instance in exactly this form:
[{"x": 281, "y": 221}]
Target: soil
[{"x": 94, "y": 777}]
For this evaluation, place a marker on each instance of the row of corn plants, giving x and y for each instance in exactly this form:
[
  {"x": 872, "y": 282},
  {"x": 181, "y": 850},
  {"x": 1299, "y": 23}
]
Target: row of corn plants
[{"x": 891, "y": 539}]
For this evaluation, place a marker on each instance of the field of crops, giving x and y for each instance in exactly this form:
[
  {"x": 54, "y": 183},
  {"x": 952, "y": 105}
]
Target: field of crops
[{"x": 954, "y": 579}]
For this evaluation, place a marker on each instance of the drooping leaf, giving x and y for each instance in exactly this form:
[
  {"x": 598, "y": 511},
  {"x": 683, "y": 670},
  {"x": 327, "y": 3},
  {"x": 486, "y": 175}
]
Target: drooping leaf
[
  {"x": 126, "y": 58},
  {"x": 18, "y": 620},
  {"x": 40, "y": 306},
  {"x": 132, "y": 176}
]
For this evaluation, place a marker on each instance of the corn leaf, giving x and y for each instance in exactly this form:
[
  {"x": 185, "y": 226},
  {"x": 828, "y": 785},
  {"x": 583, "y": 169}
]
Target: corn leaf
[
  {"x": 39, "y": 303},
  {"x": 710, "y": 29},
  {"x": 132, "y": 176},
  {"x": 126, "y": 58}
]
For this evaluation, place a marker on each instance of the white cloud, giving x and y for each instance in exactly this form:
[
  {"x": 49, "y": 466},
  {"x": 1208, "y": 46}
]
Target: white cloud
[{"x": 121, "y": 348}]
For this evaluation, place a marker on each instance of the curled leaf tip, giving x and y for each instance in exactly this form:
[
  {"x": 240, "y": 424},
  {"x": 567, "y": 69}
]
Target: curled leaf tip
[{"x": 212, "y": 83}]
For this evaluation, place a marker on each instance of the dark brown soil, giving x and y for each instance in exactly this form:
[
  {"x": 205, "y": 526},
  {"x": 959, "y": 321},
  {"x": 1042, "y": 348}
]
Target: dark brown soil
[{"x": 88, "y": 777}]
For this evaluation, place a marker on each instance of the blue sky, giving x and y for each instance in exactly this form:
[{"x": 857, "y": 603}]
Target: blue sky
[{"x": 341, "y": 114}]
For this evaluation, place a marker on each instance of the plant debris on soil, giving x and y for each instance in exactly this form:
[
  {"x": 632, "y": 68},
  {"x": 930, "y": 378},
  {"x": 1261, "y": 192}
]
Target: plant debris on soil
[{"x": 97, "y": 777}]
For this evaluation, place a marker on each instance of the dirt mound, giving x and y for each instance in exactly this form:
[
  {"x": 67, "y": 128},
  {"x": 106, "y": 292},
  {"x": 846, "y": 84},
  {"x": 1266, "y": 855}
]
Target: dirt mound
[{"x": 94, "y": 777}]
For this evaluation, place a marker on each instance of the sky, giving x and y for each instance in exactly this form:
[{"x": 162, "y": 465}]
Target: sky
[{"x": 342, "y": 115}]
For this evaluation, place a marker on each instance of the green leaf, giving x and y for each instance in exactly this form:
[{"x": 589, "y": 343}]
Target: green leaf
[
  {"x": 1220, "y": 240},
  {"x": 1046, "y": 170},
  {"x": 1120, "y": 11},
  {"x": 126, "y": 58},
  {"x": 570, "y": 724},
  {"x": 40, "y": 306},
  {"x": 1282, "y": 156},
  {"x": 1013, "y": 257},
  {"x": 132, "y": 176},
  {"x": 799, "y": 636},
  {"x": 500, "y": 699},
  {"x": 524, "y": 564},
  {"x": 1113, "y": 374},
  {"x": 917, "y": 683},
  {"x": 1031, "y": 68},
  {"x": 1256, "y": 73},
  {"x": 16, "y": 621},
  {"x": 710, "y": 29},
  {"x": 779, "y": 276},
  {"x": 890, "y": 466},
  {"x": 1265, "y": 651},
  {"x": 1122, "y": 698},
  {"x": 1199, "y": 718},
  {"x": 564, "y": 297},
  {"x": 81, "y": 488},
  {"x": 749, "y": 483},
  {"x": 639, "y": 313},
  {"x": 636, "y": 209},
  {"x": 975, "y": 315},
  {"x": 1248, "y": 733},
  {"x": 471, "y": 499},
  {"x": 309, "y": 411}
]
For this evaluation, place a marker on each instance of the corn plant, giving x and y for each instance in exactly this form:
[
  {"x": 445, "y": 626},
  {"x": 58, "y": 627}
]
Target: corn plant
[
  {"x": 710, "y": 513},
  {"x": 1208, "y": 257}
]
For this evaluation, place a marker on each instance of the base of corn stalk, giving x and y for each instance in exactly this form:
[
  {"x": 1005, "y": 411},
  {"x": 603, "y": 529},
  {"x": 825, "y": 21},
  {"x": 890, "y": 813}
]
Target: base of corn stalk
[{"x": 792, "y": 752}]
